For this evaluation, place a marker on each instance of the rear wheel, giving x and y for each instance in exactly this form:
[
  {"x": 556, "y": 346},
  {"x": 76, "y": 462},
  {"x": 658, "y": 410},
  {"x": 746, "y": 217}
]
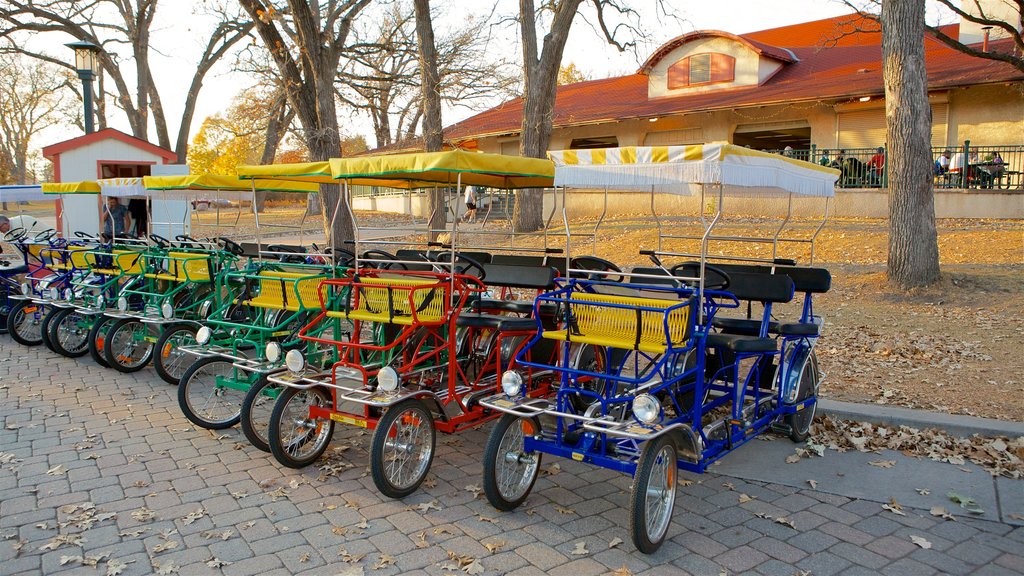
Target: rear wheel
[
  {"x": 128, "y": 347},
  {"x": 510, "y": 471},
  {"x": 402, "y": 448},
  {"x": 257, "y": 409},
  {"x": 654, "y": 494},
  {"x": 170, "y": 361},
  {"x": 69, "y": 333},
  {"x": 208, "y": 394},
  {"x": 24, "y": 323},
  {"x": 800, "y": 421},
  {"x": 98, "y": 338},
  {"x": 45, "y": 330},
  {"x": 296, "y": 439}
]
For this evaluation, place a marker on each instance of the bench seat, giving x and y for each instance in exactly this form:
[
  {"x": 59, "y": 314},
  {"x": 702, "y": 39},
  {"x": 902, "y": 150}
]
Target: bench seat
[
  {"x": 290, "y": 291},
  {"x": 392, "y": 300},
  {"x": 626, "y": 322}
]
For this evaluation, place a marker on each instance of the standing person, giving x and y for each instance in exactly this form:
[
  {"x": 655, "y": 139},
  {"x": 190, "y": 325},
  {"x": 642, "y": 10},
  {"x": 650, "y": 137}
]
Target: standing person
[
  {"x": 470, "y": 204},
  {"x": 115, "y": 218},
  {"x": 140, "y": 217}
]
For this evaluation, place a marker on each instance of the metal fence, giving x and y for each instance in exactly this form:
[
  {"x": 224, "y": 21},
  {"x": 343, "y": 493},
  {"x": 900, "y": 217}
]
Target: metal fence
[{"x": 965, "y": 166}]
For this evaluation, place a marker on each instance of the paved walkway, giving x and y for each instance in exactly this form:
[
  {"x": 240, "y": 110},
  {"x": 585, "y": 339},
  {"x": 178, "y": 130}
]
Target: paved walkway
[{"x": 100, "y": 468}]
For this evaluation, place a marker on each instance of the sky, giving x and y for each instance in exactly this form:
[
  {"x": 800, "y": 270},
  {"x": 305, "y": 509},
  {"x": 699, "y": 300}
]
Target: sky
[{"x": 178, "y": 41}]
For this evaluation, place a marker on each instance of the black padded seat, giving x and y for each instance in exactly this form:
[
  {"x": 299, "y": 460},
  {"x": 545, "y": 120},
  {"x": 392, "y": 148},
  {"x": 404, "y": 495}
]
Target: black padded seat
[
  {"x": 502, "y": 323},
  {"x": 747, "y": 326},
  {"x": 799, "y": 329},
  {"x": 517, "y": 306},
  {"x": 741, "y": 343},
  {"x": 518, "y": 260}
]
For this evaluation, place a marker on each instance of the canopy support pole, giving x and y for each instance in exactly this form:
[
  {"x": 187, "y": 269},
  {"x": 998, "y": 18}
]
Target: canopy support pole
[
  {"x": 775, "y": 239},
  {"x": 818, "y": 229},
  {"x": 568, "y": 233},
  {"x": 704, "y": 245},
  {"x": 600, "y": 219},
  {"x": 657, "y": 221}
]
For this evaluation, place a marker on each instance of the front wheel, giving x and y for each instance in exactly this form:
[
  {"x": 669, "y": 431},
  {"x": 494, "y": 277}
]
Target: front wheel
[
  {"x": 69, "y": 333},
  {"x": 800, "y": 421},
  {"x": 24, "y": 323},
  {"x": 128, "y": 348},
  {"x": 509, "y": 470},
  {"x": 170, "y": 361},
  {"x": 654, "y": 494},
  {"x": 209, "y": 394},
  {"x": 257, "y": 409},
  {"x": 402, "y": 448},
  {"x": 296, "y": 438},
  {"x": 98, "y": 338}
]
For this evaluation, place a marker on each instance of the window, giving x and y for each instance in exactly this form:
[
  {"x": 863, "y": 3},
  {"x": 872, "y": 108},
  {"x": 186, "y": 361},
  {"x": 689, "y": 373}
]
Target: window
[{"x": 700, "y": 69}]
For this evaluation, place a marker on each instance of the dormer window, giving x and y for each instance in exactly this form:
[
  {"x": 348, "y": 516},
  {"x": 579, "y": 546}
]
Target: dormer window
[{"x": 698, "y": 69}]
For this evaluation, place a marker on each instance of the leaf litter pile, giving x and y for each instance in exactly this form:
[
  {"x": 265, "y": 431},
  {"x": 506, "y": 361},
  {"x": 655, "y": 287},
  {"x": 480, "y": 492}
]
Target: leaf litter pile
[{"x": 1000, "y": 456}]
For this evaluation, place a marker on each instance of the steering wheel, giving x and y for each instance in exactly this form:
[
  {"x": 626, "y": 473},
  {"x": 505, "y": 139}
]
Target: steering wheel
[
  {"x": 84, "y": 236},
  {"x": 161, "y": 242},
  {"x": 600, "y": 266},
  {"x": 382, "y": 255},
  {"x": 231, "y": 246},
  {"x": 343, "y": 257},
  {"x": 471, "y": 264},
  {"x": 45, "y": 235},
  {"x": 15, "y": 234},
  {"x": 714, "y": 278},
  {"x": 186, "y": 238}
]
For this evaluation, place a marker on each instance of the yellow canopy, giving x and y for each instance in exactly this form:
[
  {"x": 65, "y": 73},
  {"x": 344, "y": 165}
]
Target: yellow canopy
[
  {"x": 85, "y": 187},
  {"x": 224, "y": 182},
  {"x": 319, "y": 172},
  {"x": 447, "y": 168}
]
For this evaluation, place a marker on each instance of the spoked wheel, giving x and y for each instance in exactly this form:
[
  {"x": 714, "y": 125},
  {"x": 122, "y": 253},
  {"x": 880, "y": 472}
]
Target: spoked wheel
[
  {"x": 654, "y": 494},
  {"x": 24, "y": 323},
  {"x": 170, "y": 361},
  {"x": 800, "y": 422},
  {"x": 69, "y": 333},
  {"x": 128, "y": 348},
  {"x": 98, "y": 338},
  {"x": 402, "y": 448},
  {"x": 45, "y": 329},
  {"x": 296, "y": 439},
  {"x": 257, "y": 409},
  {"x": 208, "y": 394},
  {"x": 510, "y": 471}
]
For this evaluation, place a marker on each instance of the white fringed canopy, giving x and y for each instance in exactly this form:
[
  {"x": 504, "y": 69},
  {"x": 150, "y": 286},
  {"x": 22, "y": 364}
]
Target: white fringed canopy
[{"x": 682, "y": 169}]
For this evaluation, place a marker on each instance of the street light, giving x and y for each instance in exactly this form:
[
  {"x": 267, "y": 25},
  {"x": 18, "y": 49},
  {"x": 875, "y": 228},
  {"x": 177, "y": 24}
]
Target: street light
[{"x": 87, "y": 65}]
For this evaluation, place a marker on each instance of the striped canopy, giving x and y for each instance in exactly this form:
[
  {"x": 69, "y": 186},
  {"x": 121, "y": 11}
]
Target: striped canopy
[
  {"x": 22, "y": 193},
  {"x": 84, "y": 187},
  {"x": 680, "y": 169},
  {"x": 449, "y": 168}
]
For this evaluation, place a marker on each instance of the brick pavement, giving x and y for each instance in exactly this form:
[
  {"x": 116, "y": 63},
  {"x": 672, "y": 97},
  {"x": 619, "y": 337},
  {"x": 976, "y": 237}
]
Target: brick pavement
[{"x": 100, "y": 468}]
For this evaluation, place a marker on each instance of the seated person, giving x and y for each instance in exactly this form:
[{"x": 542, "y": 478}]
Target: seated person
[
  {"x": 942, "y": 163},
  {"x": 877, "y": 165}
]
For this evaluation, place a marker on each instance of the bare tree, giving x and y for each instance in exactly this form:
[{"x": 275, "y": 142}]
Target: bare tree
[
  {"x": 541, "y": 63},
  {"x": 33, "y": 97},
  {"x": 114, "y": 23},
  {"x": 1012, "y": 54},
  {"x": 913, "y": 242},
  {"x": 430, "y": 88},
  {"x": 306, "y": 40}
]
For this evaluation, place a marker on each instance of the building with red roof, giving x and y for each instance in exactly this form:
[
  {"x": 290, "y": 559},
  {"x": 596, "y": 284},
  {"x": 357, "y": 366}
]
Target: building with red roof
[{"x": 811, "y": 84}]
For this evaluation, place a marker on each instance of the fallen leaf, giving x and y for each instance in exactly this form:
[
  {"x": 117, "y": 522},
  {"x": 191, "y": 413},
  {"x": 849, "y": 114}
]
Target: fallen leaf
[
  {"x": 215, "y": 562},
  {"x": 551, "y": 470},
  {"x": 562, "y": 510},
  {"x": 164, "y": 570},
  {"x": 421, "y": 540},
  {"x": 923, "y": 491},
  {"x": 728, "y": 485},
  {"x": 304, "y": 557},
  {"x": 474, "y": 489},
  {"x": 239, "y": 495},
  {"x": 132, "y": 533},
  {"x": 785, "y": 522},
  {"x": 68, "y": 559},
  {"x": 744, "y": 498},
  {"x": 339, "y": 530},
  {"x": 363, "y": 524},
  {"x": 193, "y": 516},
  {"x": 623, "y": 571},
  {"x": 351, "y": 571},
  {"x": 56, "y": 470},
  {"x": 882, "y": 463},
  {"x": 1015, "y": 517},
  {"x": 383, "y": 562},
  {"x": 425, "y": 507},
  {"x": 684, "y": 481},
  {"x": 615, "y": 542},
  {"x": 474, "y": 567},
  {"x": 491, "y": 547},
  {"x": 115, "y": 566},
  {"x": 143, "y": 514},
  {"x": 169, "y": 545},
  {"x": 792, "y": 459},
  {"x": 921, "y": 542},
  {"x": 966, "y": 502},
  {"x": 942, "y": 513},
  {"x": 813, "y": 483},
  {"x": 894, "y": 507},
  {"x": 486, "y": 519},
  {"x": 580, "y": 549},
  {"x": 62, "y": 540}
]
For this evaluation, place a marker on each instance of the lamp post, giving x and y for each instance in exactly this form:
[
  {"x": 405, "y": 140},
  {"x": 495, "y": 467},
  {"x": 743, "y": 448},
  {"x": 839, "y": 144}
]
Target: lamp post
[{"x": 87, "y": 64}]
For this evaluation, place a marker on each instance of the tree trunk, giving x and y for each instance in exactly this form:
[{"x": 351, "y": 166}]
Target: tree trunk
[
  {"x": 913, "y": 242},
  {"x": 539, "y": 106},
  {"x": 276, "y": 127},
  {"x": 433, "y": 138}
]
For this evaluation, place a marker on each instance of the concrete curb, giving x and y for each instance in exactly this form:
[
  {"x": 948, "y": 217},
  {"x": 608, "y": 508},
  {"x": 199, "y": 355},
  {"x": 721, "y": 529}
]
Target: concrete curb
[{"x": 953, "y": 424}]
